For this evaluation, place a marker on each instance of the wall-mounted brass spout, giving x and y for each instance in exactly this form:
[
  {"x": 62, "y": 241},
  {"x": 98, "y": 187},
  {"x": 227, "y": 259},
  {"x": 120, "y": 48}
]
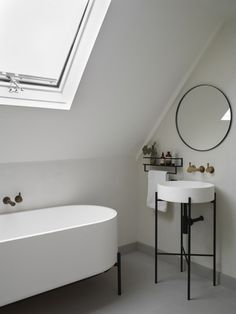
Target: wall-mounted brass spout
[
  {"x": 192, "y": 168},
  {"x": 210, "y": 169},
  {"x": 6, "y": 200},
  {"x": 201, "y": 169},
  {"x": 18, "y": 198}
]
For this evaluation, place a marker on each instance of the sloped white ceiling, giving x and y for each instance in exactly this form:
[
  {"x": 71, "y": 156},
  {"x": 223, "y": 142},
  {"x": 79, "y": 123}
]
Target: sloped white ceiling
[{"x": 143, "y": 51}]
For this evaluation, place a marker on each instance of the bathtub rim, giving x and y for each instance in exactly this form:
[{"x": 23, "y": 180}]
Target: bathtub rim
[{"x": 56, "y": 229}]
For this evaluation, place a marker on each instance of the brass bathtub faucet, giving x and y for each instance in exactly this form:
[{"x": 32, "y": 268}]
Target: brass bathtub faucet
[{"x": 7, "y": 200}]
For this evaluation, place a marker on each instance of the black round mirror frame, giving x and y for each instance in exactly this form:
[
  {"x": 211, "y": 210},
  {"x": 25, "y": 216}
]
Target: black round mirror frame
[{"x": 176, "y": 117}]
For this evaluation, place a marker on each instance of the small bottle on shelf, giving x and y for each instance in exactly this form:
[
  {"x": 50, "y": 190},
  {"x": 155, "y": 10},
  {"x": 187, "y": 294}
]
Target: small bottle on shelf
[
  {"x": 162, "y": 160},
  {"x": 168, "y": 159}
]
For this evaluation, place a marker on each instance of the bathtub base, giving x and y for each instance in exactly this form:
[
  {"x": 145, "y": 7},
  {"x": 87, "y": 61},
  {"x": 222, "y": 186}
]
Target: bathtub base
[
  {"x": 118, "y": 265},
  {"x": 119, "y": 285}
]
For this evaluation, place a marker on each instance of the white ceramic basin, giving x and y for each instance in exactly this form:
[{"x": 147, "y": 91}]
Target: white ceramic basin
[{"x": 180, "y": 191}]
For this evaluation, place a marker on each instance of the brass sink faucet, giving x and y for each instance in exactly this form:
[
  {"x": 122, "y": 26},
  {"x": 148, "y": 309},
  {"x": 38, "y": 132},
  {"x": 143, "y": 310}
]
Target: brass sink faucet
[{"x": 192, "y": 168}]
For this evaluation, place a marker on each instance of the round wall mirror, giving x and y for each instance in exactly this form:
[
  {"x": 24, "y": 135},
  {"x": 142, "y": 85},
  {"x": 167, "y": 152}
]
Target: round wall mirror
[{"x": 203, "y": 117}]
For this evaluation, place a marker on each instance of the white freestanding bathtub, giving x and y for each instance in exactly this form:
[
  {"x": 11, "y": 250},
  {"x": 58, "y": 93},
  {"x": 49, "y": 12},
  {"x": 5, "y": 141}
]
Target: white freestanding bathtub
[{"x": 47, "y": 248}]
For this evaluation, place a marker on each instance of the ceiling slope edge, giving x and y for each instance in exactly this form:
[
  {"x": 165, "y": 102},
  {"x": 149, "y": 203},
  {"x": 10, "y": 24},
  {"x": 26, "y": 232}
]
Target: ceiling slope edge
[{"x": 181, "y": 85}]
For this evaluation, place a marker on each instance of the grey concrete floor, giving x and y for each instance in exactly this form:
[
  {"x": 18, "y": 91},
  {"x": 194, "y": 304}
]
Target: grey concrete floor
[{"x": 140, "y": 294}]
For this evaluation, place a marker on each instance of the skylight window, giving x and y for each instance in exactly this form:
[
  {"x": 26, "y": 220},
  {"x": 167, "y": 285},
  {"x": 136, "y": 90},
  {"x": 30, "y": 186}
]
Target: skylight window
[{"x": 45, "y": 48}]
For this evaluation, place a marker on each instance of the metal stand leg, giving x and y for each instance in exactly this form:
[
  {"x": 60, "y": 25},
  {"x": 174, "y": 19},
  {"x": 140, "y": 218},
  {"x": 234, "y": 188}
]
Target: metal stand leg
[
  {"x": 156, "y": 235},
  {"x": 119, "y": 272},
  {"x": 185, "y": 218},
  {"x": 189, "y": 246},
  {"x": 214, "y": 241},
  {"x": 181, "y": 239}
]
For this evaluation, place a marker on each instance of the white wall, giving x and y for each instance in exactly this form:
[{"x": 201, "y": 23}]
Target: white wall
[
  {"x": 143, "y": 50},
  {"x": 106, "y": 182},
  {"x": 114, "y": 106},
  {"x": 216, "y": 67}
]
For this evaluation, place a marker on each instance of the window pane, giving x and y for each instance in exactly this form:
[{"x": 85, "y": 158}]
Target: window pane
[{"x": 36, "y": 35}]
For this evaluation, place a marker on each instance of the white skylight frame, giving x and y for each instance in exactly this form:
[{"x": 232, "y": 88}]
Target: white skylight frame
[{"x": 61, "y": 97}]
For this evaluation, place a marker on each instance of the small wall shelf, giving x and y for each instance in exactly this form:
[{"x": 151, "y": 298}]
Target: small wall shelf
[{"x": 171, "y": 163}]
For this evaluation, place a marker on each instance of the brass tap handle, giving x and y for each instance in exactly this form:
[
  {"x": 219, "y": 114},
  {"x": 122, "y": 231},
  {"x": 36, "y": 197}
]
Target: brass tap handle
[
  {"x": 18, "y": 198},
  {"x": 6, "y": 200},
  {"x": 210, "y": 169},
  {"x": 190, "y": 168}
]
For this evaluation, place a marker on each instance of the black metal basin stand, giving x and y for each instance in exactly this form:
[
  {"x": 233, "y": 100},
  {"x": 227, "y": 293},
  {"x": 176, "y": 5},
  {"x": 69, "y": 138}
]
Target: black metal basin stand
[{"x": 186, "y": 224}]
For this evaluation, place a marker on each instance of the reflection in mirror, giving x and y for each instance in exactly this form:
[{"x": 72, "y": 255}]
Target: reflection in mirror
[{"x": 203, "y": 117}]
